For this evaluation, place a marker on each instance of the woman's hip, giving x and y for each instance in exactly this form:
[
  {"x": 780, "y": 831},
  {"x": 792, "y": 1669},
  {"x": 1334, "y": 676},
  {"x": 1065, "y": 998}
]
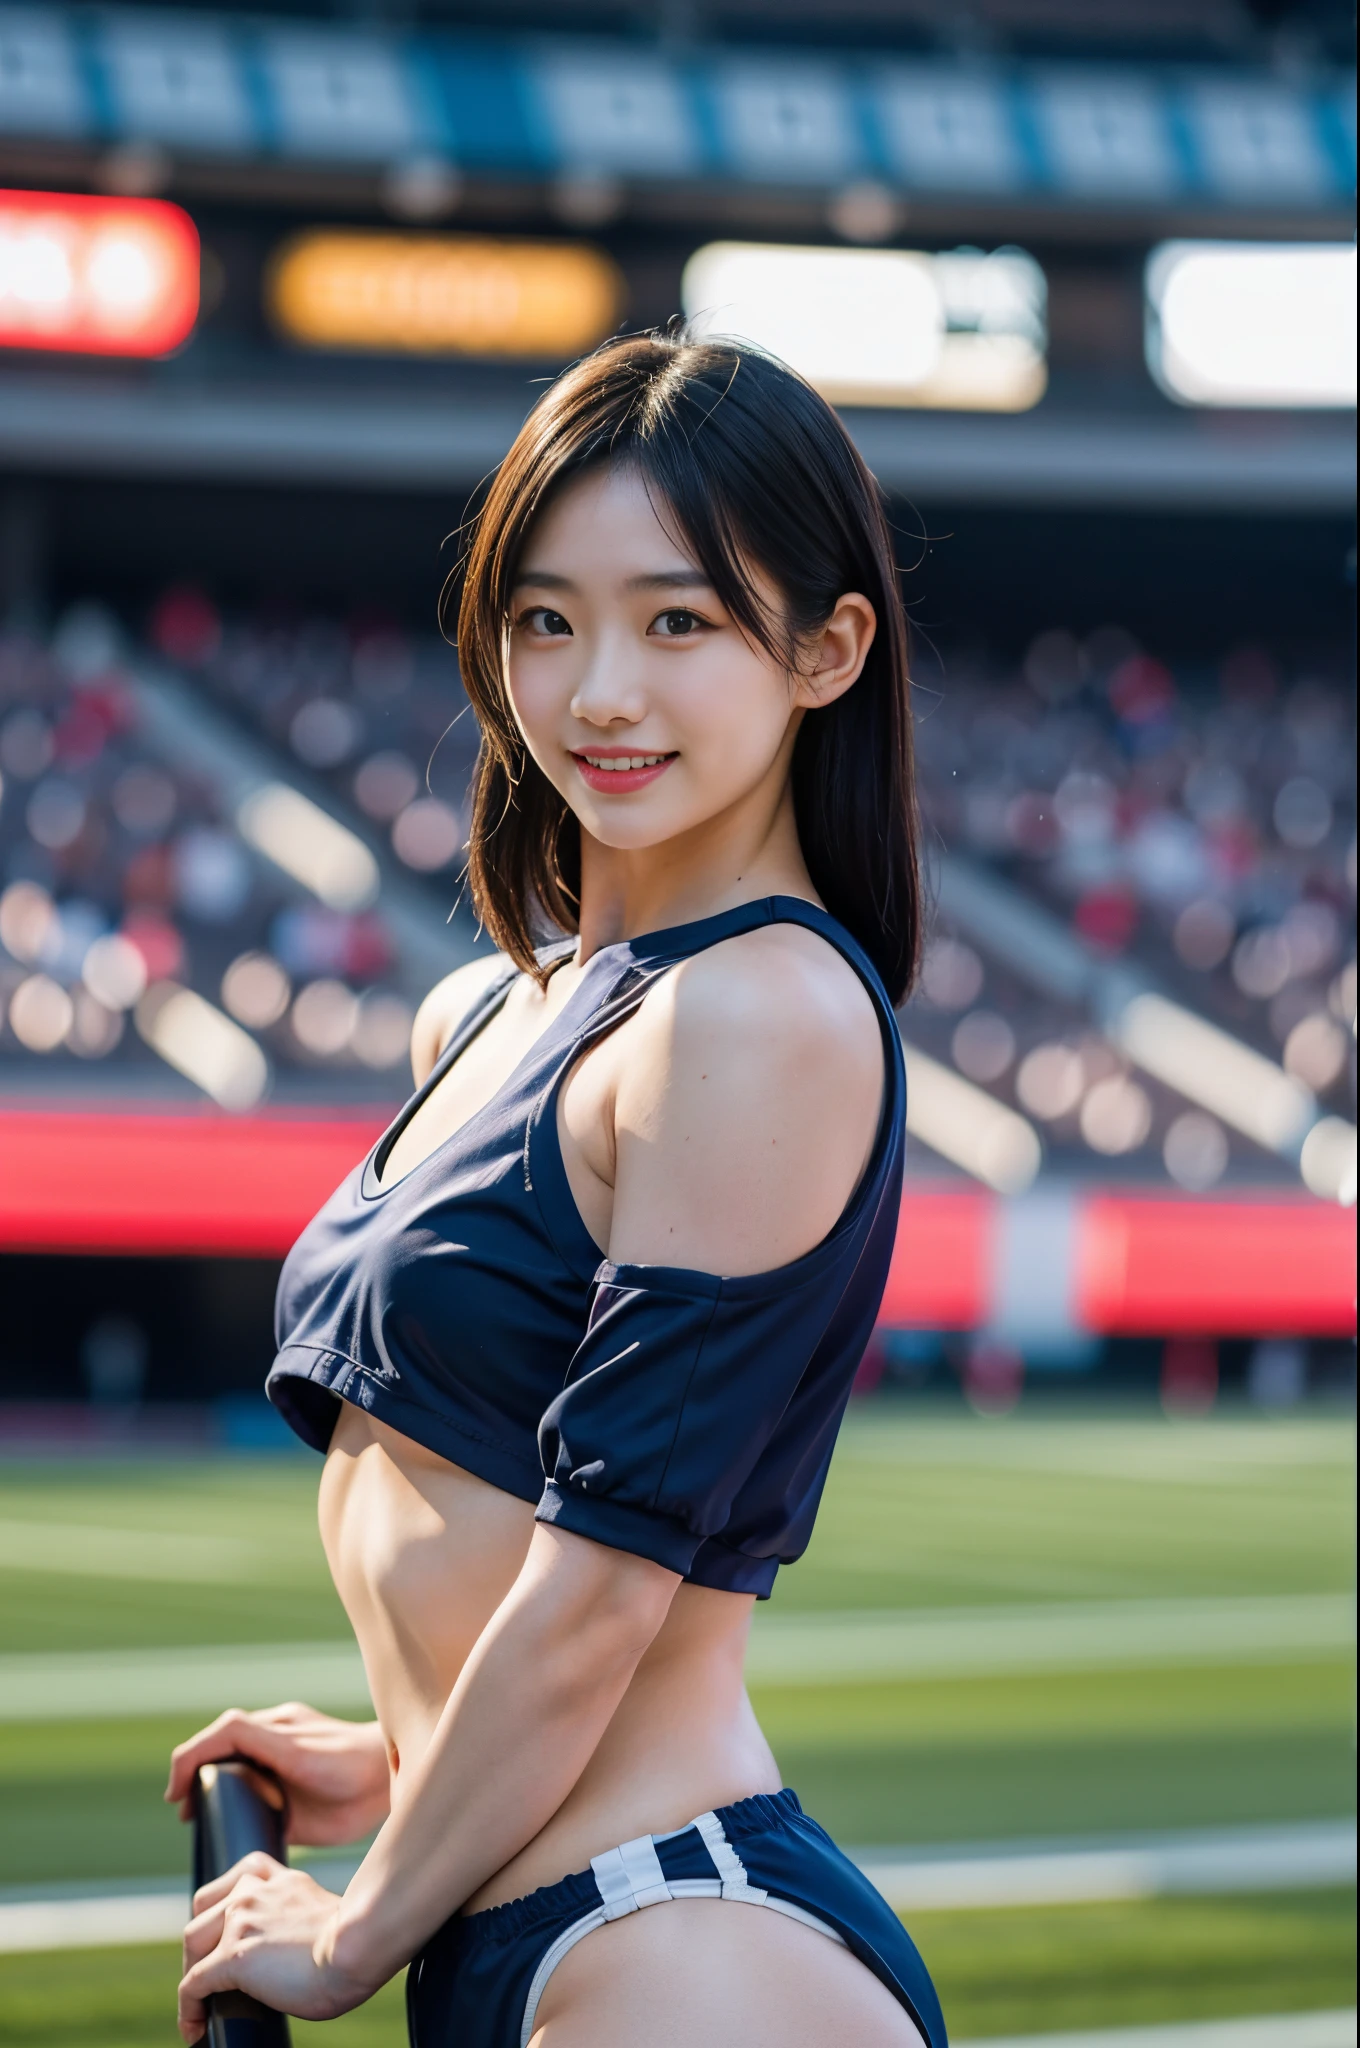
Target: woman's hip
[{"x": 482, "y": 1980}]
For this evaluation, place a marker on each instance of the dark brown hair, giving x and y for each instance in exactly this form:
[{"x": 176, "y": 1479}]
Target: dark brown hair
[{"x": 755, "y": 469}]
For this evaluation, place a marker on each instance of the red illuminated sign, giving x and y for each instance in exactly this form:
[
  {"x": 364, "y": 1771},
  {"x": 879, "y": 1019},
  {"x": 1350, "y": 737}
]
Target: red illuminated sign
[{"x": 96, "y": 276}]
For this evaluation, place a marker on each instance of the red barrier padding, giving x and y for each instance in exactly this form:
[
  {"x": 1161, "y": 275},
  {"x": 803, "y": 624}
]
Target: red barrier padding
[
  {"x": 96, "y": 276},
  {"x": 940, "y": 1278},
  {"x": 1252, "y": 1268},
  {"x": 206, "y": 1183},
  {"x": 119, "y": 1181}
]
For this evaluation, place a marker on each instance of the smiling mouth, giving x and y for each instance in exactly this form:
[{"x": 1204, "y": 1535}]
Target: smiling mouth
[
  {"x": 612, "y": 772},
  {"x": 615, "y": 764}
]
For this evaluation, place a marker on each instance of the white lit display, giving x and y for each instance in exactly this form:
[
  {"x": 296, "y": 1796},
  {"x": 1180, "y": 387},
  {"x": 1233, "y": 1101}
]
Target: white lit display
[
  {"x": 963, "y": 330},
  {"x": 1253, "y": 324}
]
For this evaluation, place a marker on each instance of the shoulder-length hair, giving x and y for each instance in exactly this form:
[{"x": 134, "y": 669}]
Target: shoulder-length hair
[{"x": 757, "y": 472}]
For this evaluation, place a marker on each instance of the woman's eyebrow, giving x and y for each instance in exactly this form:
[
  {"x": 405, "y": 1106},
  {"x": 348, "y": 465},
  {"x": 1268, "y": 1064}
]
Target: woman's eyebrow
[
  {"x": 670, "y": 579},
  {"x": 543, "y": 579}
]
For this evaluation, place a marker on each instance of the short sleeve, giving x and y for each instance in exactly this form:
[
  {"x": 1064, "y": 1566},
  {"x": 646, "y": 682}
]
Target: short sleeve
[{"x": 673, "y": 1394}]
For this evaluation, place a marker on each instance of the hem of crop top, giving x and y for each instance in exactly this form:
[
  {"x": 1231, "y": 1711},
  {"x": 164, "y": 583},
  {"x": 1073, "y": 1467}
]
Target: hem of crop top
[
  {"x": 342, "y": 1378},
  {"x": 700, "y": 1560},
  {"x": 338, "y": 1377},
  {"x": 620, "y": 1525}
]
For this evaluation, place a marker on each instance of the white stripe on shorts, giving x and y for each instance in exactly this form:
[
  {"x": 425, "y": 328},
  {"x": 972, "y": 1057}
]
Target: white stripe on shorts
[{"x": 630, "y": 1877}]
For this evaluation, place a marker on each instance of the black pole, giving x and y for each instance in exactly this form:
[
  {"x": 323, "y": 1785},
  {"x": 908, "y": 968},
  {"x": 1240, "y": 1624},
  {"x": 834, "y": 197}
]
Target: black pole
[{"x": 238, "y": 1807}]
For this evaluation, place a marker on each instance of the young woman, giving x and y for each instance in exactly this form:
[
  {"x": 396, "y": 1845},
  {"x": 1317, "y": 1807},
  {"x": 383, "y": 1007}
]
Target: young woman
[{"x": 577, "y": 1337}]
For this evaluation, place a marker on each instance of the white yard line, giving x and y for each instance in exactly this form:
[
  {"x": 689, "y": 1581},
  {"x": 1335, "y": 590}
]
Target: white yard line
[
  {"x": 825, "y": 1649},
  {"x": 1018, "y": 1874},
  {"x": 101, "y": 1685},
  {"x": 1278, "y": 2030},
  {"x": 121, "y": 1922},
  {"x": 1289, "y": 1858},
  {"x": 89, "y": 1551},
  {"x": 842, "y": 1647}
]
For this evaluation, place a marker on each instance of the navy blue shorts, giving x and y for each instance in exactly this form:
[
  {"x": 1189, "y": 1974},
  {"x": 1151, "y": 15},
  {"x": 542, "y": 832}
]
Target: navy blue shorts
[{"x": 478, "y": 1982}]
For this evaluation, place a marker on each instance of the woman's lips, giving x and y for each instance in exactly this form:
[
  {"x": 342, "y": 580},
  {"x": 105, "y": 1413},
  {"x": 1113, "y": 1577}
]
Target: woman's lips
[{"x": 628, "y": 770}]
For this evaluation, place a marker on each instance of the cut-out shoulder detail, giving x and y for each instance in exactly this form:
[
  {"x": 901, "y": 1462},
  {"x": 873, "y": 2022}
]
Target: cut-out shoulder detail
[{"x": 747, "y": 1106}]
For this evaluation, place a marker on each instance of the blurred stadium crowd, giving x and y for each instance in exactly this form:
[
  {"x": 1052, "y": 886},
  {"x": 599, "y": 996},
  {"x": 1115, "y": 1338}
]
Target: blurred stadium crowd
[
  {"x": 1194, "y": 821},
  {"x": 127, "y": 873}
]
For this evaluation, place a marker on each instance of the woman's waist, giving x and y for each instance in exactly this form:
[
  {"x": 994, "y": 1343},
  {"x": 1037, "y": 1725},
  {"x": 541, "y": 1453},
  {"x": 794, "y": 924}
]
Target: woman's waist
[
  {"x": 423, "y": 1554},
  {"x": 687, "y": 1694},
  {"x": 683, "y": 1738},
  {"x": 651, "y": 1774}
]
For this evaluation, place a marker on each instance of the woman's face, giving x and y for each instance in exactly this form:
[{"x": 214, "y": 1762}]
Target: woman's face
[{"x": 637, "y": 694}]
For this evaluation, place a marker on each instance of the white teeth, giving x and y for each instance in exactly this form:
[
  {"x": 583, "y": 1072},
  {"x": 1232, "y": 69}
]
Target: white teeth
[{"x": 621, "y": 761}]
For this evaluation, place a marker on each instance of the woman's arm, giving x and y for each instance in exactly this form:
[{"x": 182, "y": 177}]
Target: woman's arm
[{"x": 521, "y": 1724}]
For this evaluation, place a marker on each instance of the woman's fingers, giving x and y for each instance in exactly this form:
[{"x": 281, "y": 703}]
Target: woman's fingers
[
  {"x": 270, "y": 1935},
  {"x": 192, "y": 2018},
  {"x": 213, "y": 1973},
  {"x": 209, "y": 1960},
  {"x": 234, "y": 1733},
  {"x": 203, "y": 1933},
  {"x": 206, "y": 1968},
  {"x": 256, "y": 1864}
]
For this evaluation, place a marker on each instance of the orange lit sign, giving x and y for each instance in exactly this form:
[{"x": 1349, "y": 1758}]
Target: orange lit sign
[
  {"x": 461, "y": 295},
  {"x": 95, "y": 276}
]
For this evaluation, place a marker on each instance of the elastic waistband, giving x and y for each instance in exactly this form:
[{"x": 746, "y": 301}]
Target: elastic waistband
[
  {"x": 579, "y": 1893},
  {"x": 761, "y": 1812}
]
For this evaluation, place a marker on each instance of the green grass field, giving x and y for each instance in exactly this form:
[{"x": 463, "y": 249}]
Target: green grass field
[
  {"x": 1040, "y": 1968},
  {"x": 921, "y": 1512}
]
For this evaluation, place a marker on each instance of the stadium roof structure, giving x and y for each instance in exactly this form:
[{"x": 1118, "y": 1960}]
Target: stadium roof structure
[
  {"x": 253, "y": 105},
  {"x": 1087, "y": 145},
  {"x": 249, "y": 432}
]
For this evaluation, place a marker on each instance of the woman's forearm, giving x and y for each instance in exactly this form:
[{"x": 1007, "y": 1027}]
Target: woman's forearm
[{"x": 520, "y": 1726}]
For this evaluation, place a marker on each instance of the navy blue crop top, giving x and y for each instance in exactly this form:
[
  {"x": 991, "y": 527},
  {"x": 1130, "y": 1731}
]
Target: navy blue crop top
[{"x": 683, "y": 1417}]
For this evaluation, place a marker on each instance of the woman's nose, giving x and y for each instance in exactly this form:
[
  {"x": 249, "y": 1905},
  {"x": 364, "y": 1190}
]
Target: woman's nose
[{"x": 610, "y": 688}]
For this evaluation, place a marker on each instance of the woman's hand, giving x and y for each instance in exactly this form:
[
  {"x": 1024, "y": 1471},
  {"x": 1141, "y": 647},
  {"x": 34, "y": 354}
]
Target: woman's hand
[
  {"x": 336, "y": 1772},
  {"x": 270, "y": 1931}
]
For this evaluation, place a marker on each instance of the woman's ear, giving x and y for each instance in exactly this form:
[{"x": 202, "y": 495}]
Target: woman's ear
[{"x": 838, "y": 654}]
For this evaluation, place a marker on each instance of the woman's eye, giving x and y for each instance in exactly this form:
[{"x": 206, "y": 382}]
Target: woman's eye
[
  {"x": 543, "y": 620},
  {"x": 675, "y": 625}
]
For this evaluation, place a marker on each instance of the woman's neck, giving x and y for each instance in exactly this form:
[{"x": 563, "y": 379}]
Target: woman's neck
[{"x": 729, "y": 860}]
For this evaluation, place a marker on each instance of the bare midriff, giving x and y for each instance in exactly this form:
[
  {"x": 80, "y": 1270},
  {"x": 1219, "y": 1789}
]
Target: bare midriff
[{"x": 423, "y": 1553}]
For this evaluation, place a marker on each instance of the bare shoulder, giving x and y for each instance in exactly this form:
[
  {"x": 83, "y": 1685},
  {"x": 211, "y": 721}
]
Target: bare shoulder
[
  {"x": 749, "y": 1103},
  {"x": 445, "y": 1007},
  {"x": 795, "y": 978},
  {"x": 780, "y": 994}
]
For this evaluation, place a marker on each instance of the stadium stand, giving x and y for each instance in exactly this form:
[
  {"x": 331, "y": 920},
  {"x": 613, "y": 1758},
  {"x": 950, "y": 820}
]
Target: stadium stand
[
  {"x": 1193, "y": 831},
  {"x": 1190, "y": 826},
  {"x": 129, "y": 879}
]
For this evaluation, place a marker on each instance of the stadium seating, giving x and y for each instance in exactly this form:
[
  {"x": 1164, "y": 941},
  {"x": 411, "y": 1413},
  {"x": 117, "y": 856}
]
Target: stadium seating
[
  {"x": 1191, "y": 823},
  {"x": 126, "y": 874}
]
